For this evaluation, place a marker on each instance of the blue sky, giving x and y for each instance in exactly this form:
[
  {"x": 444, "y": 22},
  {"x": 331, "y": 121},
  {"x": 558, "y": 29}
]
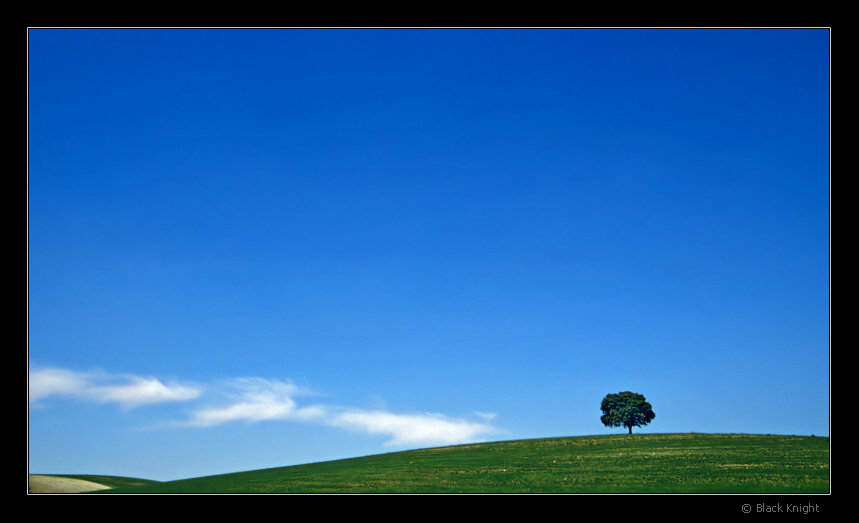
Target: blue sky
[{"x": 256, "y": 248}]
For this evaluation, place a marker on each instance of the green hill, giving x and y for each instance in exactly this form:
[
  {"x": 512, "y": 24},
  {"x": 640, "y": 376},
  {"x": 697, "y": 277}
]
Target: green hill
[
  {"x": 76, "y": 483},
  {"x": 641, "y": 463}
]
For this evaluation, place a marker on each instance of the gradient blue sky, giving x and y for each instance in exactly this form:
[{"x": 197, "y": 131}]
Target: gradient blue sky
[{"x": 255, "y": 248}]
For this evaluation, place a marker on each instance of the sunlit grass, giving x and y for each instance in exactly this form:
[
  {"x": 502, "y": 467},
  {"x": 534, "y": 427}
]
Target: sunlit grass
[{"x": 641, "y": 463}]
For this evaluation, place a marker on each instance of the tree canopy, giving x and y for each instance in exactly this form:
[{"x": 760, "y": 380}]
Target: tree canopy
[{"x": 627, "y": 409}]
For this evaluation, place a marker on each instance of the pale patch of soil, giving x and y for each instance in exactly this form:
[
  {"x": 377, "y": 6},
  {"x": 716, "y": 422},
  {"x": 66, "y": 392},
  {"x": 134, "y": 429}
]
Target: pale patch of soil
[{"x": 38, "y": 484}]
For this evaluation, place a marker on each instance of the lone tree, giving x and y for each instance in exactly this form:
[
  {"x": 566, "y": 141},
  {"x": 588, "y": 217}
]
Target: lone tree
[{"x": 628, "y": 409}]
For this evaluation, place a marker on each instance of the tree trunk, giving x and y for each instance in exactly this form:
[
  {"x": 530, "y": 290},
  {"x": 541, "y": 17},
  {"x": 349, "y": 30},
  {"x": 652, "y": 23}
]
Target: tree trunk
[{"x": 630, "y": 429}]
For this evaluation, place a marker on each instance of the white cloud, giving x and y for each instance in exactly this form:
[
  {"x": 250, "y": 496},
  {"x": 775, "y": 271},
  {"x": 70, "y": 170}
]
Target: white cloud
[
  {"x": 254, "y": 400},
  {"x": 413, "y": 429},
  {"x": 137, "y": 391},
  {"x": 126, "y": 390},
  {"x": 45, "y": 383}
]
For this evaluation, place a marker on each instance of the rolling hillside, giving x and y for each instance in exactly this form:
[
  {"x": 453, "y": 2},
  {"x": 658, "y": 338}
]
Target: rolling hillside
[
  {"x": 72, "y": 484},
  {"x": 642, "y": 463}
]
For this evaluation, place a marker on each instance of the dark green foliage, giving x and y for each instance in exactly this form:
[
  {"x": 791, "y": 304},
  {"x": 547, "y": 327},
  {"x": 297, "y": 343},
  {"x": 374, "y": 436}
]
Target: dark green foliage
[{"x": 627, "y": 409}]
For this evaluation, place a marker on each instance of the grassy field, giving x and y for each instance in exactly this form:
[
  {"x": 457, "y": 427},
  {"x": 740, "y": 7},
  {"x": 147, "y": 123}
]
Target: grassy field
[
  {"x": 641, "y": 463},
  {"x": 76, "y": 483}
]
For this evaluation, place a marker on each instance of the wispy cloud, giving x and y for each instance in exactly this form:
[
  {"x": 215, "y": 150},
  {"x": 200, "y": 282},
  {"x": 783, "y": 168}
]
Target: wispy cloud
[
  {"x": 128, "y": 391},
  {"x": 412, "y": 429},
  {"x": 255, "y": 400}
]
